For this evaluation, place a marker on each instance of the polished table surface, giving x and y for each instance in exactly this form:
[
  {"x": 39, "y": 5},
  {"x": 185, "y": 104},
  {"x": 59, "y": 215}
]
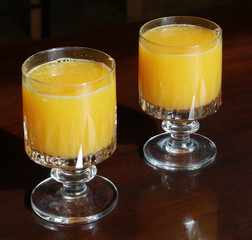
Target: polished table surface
[{"x": 212, "y": 203}]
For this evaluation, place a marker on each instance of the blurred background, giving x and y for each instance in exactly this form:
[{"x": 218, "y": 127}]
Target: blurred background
[{"x": 23, "y": 20}]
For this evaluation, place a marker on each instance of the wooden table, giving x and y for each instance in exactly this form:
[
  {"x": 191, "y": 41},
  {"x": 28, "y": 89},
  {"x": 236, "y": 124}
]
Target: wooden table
[{"x": 213, "y": 203}]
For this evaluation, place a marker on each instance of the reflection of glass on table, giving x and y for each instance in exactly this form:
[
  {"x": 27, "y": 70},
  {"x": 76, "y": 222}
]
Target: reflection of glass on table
[
  {"x": 69, "y": 112},
  {"x": 180, "y": 64},
  {"x": 194, "y": 213}
]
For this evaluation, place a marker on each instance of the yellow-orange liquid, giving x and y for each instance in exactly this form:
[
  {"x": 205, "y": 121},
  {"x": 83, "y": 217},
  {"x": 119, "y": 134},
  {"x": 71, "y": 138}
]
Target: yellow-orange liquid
[
  {"x": 65, "y": 119},
  {"x": 180, "y": 66}
]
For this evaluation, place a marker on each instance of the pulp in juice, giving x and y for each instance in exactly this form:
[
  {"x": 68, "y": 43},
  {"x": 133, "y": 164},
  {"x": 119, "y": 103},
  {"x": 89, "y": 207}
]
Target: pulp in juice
[
  {"x": 71, "y": 109},
  {"x": 180, "y": 66}
]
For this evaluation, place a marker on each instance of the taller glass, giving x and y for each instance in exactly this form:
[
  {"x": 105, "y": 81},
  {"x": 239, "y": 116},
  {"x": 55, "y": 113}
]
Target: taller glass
[
  {"x": 180, "y": 65},
  {"x": 69, "y": 117}
]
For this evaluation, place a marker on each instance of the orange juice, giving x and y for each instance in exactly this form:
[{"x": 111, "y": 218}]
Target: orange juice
[
  {"x": 180, "y": 66},
  {"x": 69, "y": 112}
]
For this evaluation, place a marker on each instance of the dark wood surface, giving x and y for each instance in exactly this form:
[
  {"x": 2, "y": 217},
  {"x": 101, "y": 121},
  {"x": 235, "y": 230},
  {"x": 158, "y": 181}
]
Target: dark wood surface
[{"x": 213, "y": 203}]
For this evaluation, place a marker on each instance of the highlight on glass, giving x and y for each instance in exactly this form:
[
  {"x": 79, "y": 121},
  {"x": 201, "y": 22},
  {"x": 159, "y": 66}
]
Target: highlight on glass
[
  {"x": 180, "y": 68},
  {"x": 69, "y": 118}
]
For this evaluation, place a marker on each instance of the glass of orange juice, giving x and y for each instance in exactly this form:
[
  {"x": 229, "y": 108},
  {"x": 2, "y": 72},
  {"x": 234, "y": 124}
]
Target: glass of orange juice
[
  {"x": 180, "y": 65},
  {"x": 69, "y": 118}
]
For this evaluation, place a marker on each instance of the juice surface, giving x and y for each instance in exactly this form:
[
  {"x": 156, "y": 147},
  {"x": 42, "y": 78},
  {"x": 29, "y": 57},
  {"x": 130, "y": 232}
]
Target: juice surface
[
  {"x": 64, "y": 119},
  {"x": 180, "y": 66}
]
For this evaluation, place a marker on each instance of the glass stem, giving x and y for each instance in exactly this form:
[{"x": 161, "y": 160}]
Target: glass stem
[
  {"x": 180, "y": 141},
  {"x": 74, "y": 181}
]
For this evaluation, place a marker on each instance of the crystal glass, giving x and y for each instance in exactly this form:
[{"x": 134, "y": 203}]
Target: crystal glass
[
  {"x": 69, "y": 118},
  {"x": 180, "y": 65}
]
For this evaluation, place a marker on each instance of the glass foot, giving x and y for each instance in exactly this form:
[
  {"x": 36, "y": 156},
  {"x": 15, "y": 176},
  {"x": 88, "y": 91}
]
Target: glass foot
[
  {"x": 49, "y": 201},
  {"x": 157, "y": 152}
]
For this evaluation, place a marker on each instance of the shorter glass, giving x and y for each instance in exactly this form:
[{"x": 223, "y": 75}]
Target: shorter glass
[
  {"x": 69, "y": 118},
  {"x": 180, "y": 64}
]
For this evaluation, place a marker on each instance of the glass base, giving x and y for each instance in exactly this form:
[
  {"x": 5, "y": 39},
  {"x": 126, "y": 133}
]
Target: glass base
[
  {"x": 156, "y": 152},
  {"x": 50, "y": 203}
]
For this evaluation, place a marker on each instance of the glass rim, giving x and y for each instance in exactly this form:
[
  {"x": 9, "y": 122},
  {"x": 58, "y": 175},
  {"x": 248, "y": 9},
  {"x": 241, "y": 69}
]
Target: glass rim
[
  {"x": 218, "y": 35},
  {"x": 26, "y": 74}
]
